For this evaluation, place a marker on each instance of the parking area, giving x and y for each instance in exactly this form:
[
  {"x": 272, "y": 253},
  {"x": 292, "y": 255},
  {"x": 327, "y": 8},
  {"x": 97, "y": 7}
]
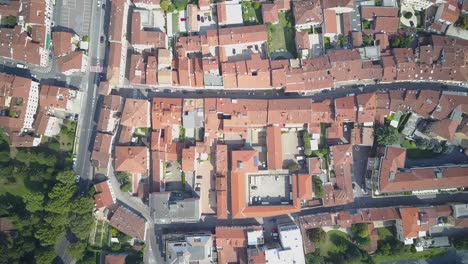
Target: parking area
[
  {"x": 206, "y": 21},
  {"x": 243, "y": 52},
  {"x": 172, "y": 176},
  {"x": 205, "y": 186},
  {"x": 360, "y": 157},
  {"x": 290, "y": 143},
  {"x": 74, "y": 14},
  {"x": 269, "y": 189}
]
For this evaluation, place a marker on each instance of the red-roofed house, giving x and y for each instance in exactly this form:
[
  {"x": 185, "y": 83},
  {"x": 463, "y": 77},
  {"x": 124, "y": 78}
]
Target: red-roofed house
[
  {"x": 307, "y": 14},
  {"x": 131, "y": 159},
  {"x": 103, "y": 197},
  {"x": 269, "y": 13},
  {"x": 345, "y": 109},
  {"x": 366, "y": 108},
  {"x": 410, "y": 226},
  {"x": 447, "y": 13},
  {"x": 136, "y": 113},
  {"x": 275, "y": 152}
]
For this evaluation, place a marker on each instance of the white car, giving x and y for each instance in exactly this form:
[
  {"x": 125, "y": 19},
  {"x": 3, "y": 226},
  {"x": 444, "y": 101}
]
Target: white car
[{"x": 99, "y": 3}]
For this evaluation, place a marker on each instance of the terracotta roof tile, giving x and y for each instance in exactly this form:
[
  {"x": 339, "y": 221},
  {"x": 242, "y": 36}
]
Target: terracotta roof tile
[
  {"x": 131, "y": 159},
  {"x": 135, "y": 113}
]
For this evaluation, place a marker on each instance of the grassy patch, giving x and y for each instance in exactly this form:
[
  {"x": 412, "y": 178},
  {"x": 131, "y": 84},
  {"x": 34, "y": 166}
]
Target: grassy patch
[
  {"x": 426, "y": 254},
  {"x": 328, "y": 247},
  {"x": 66, "y": 137},
  {"x": 282, "y": 36},
  {"x": 250, "y": 16},
  {"x": 385, "y": 233},
  {"x": 413, "y": 152},
  {"x": 175, "y": 23},
  {"x": 16, "y": 188},
  {"x": 366, "y": 24}
]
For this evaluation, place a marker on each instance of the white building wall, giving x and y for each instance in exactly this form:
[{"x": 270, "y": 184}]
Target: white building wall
[{"x": 32, "y": 104}]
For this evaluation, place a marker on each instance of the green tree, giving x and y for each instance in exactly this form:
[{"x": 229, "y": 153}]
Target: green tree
[
  {"x": 80, "y": 225},
  {"x": 165, "y": 5},
  {"x": 294, "y": 167},
  {"x": 46, "y": 255},
  {"x": 408, "y": 15},
  {"x": 306, "y": 139},
  {"x": 180, "y": 5},
  {"x": 385, "y": 248},
  {"x": 387, "y": 135},
  {"x": 4, "y": 157},
  {"x": 318, "y": 186},
  {"x": 76, "y": 250},
  {"x": 256, "y": 5},
  {"x": 316, "y": 235},
  {"x": 34, "y": 201},
  {"x": 353, "y": 255},
  {"x": 11, "y": 21},
  {"x": 360, "y": 230},
  {"x": 462, "y": 22},
  {"x": 314, "y": 259}
]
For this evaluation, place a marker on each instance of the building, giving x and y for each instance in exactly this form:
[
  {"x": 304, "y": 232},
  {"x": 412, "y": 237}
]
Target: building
[
  {"x": 291, "y": 249},
  {"x": 256, "y": 193},
  {"x": 132, "y": 159},
  {"x": 104, "y": 196},
  {"x": 128, "y": 223},
  {"x": 307, "y": 14},
  {"x": 168, "y": 207},
  {"x": 393, "y": 177},
  {"x": 191, "y": 248},
  {"x": 411, "y": 226}
]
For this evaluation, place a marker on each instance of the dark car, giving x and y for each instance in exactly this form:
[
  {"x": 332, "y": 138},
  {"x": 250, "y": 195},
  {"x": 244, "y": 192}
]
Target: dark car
[
  {"x": 202, "y": 19},
  {"x": 102, "y": 39},
  {"x": 198, "y": 17},
  {"x": 209, "y": 18}
]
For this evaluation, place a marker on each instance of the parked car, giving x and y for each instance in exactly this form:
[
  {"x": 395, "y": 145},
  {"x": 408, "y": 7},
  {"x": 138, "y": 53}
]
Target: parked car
[
  {"x": 274, "y": 233},
  {"x": 198, "y": 17},
  {"x": 209, "y": 18},
  {"x": 202, "y": 19},
  {"x": 102, "y": 39},
  {"x": 182, "y": 19}
]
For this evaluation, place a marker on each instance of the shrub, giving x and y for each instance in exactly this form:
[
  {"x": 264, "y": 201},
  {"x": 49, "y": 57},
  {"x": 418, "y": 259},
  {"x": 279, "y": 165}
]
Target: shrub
[
  {"x": 316, "y": 235},
  {"x": 408, "y": 15},
  {"x": 256, "y": 5},
  {"x": 307, "y": 147}
]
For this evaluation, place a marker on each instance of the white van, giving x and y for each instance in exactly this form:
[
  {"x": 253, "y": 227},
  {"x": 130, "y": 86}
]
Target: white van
[{"x": 21, "y": 66}]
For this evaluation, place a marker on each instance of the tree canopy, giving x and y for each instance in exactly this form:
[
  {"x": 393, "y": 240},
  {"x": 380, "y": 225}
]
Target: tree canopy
[{"x": 387, "y": 135}]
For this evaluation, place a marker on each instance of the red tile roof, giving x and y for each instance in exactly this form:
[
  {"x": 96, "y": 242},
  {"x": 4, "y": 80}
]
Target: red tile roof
[
  {"x": 188, "y": 159},
  {"x": 101, "y": 150},
  {"x": 315, "y": 166},
  {"x": 62, "y": 42},
  {"x": 393, "y": 180},
  {"x": 269, "y": 13},
  {"x": 135, "y": 113},
  {"x": 128, "y": 223},
  {"x": 329, "y": 16},
  {"x": 275, "y": 150},
  {"x": 131, "y": 159},
  {"x": 450, "y": 11},
  {"x": 340, "y": 192},
  {"x": 103, "y": 196},
  {"x": 387, "y": 24},
  {"x": 366, "y": 107},
  {"x": 345, "y": 109},
  {"x": 166, "y": 112},
  {"x": 370, "y": 12},
  {"x": 307, "y": 12}
]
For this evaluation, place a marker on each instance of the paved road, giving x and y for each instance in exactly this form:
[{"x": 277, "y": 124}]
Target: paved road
[
  {"x": 169, "y": 92},
  {"x": 86, "y": 122}
]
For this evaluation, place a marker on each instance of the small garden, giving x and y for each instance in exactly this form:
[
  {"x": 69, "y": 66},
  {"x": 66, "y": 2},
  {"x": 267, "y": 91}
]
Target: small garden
[
  {"x": 335, "y": 247},
  {"x": 389, "y": 248},
  {"x": 281, "y": 36},
  {"x": 66, "y": 137},
  {"x": 251, "y": 13},
  {"x": 125, "y": 180}
]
